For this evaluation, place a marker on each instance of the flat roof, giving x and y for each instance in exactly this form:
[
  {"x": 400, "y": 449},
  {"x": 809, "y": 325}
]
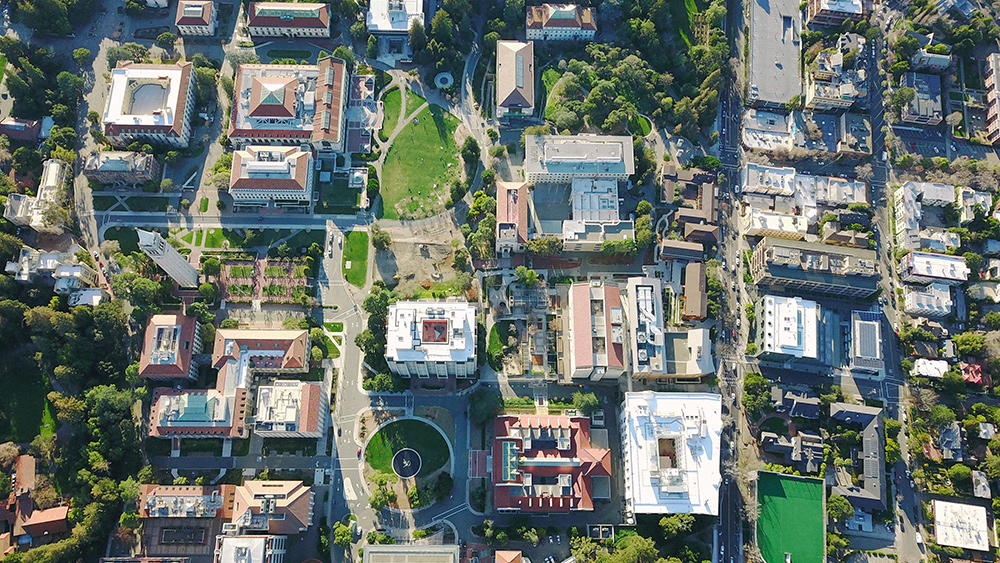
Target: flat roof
[
  {"x": 866, "y": 339},
  {"x": 579, "y": 155},
  {"x": 411, "y": 553},
  {"x": 790, "y": 326},
  {"x": 394, "y": 16},
  {"x": 775, "y": 75},
  {"x": 941, "y": 266},
  {"x": 431, "y": 331},
  {"x": 926, "y": 102},
  {"x": 144, "y": 95},
  {"x": 961, "y": 525},
  {"x": 671, "y": 452}
]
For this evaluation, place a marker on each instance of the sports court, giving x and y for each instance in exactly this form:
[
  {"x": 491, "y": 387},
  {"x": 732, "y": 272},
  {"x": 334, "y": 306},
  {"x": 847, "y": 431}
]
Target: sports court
[{"x": 791, "y": 518}]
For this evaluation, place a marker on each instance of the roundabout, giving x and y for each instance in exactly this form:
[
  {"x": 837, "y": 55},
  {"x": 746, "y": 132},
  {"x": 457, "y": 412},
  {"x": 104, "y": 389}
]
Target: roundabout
[{"x": 406, "y": 463}]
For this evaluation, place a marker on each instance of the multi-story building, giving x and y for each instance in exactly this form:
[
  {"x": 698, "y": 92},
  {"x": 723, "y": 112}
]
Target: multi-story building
[
  {"x": 834, "y": 12},
  {"x": 239, "y": 355},
  {"x": 196, "y": 17},
  {"x": 391, "y": 20},
  {"x": 150, "y": 103},
  {"x": 866, "y": 343},
  {"x": 59, "y": 269},
  {"x": 993, "y": 98},
  {"x": 799, "y": 267},
  {"x": 40, "y": 213},
  {"x": 831, "y": 85},
  {"x": 560, "y": 22},
  {"x": 549, "y": 464},
  {"x": 787, "y": 327},
  {"x": 926, "y": 268},
  {"x": 783, "y": 190},
  {"x": 869, "y": 493},
  {"x": 932, "y": 302},
  {"x": 694, "y": 305},
  {"x": 169, "y": 347},
  {"x": 595, "y": 216},
  {"x": 908, "y": 202},
  {"x": 119, "y": 167},
  {"x": 762, "y": 223},
  {"x": 656, "y": 353},
  {"x": 289, "y": 408},
  {"x": 515, "y": 78},
  {"x": 925, "y": 107},
  {"x": 560, "y": 158},
  {"x": 243, "y": 549},
  {"x": 290, "y": 104},
  {"x": 512, "y": 218},
  {"x": 431, "y": 339},
  {"x": 173, "y": 263},
  {"x": 280, "y": 19},
  {"x": 415, "y": 553},
  {"x": 272, "y": 507},
  {"x": 594, "y": 332},
  {"x": 775, "y": 75},
  {"x": 670, "y": 453},
  {"x": 268, "y": 176},
  {"x": 931, "y": 57},
  {"x": 967, "y": 201}
]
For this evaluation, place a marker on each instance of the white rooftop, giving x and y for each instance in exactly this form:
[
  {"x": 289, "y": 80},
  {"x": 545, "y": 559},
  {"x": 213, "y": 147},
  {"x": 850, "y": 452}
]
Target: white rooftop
[
  {"x": 671, "y": 449},
  {"x": 756, "y": 220},
  {"x": 935, "y": 194},
  {"x": 595, "y": 199},
  {"x": 961, "y": 525},
  {"x": 394, "y": 16},
  {"x": 931, "y": 301},
  {"x": 431, "y": 331},
  {"x": 925, "y": 367},
  {"x": 843, "y": 6},
  {"x": 281, "y": 402},
  {"x": 789, "y": 326},
  {"x": 243, "y": 549},
  {"x": 940, "y": 266},
  {"x": 766, "y": 130},
  {"x": 144, "y": 95},
  {"x": 580, "y": 155}
]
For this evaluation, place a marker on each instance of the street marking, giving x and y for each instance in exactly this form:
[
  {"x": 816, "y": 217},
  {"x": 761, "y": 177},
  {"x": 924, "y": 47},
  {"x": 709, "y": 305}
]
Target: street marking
[{"x": 349, "y": 493}]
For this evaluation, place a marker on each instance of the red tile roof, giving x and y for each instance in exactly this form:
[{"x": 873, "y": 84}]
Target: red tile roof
[
  {"x": 51, "y": 522},
  {"x": 204, "y": 19},
  {"x": 20, "y": 129},
  {"x": 540, "y": 17},
  {"x": 321, "y": 20},
  {"x": 295, "y": 182},
  {"x": 186, "y": 344},
  {"x": 330, "y": 92},
  {"x": 293, "y": 503},
  {"x": 512, "y": 207},
  {"x": 175, "y": 130},
  {"x": 311, "y": 402},
  {"x": 25, "y": 469}
]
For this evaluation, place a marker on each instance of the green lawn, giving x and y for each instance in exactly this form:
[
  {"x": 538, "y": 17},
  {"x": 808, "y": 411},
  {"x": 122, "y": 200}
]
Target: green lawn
[
  {"x": 215, "y": 237},
  {"x": 776, "y": 425},
  {"x": 3, "y": 66},
  {"x": 211, "y": 446},
  {"x": 126, "y": 237},
  {"x": 290, "y": 446},
  {"x": 356, "y": 252},
  {"x": 297, "y": 54},
  {"x": 640, "y": 125},
  {"x": 241, "y": 271},
  {"x": 428, "y": 442},
  {"x": 420, "y": 164},
  {"x": 23, "y": 413},
  {"x": 392, "y": 104},
  {"x": 104, "y": 202},
  {"x": 147, "y": 203},
  {"x": 198, "y": 237},
  {"x": 334, "y": 327},
  {"x": 203, "y": 205},
  {"x": 303, "y": 239},
  {"x": 682, "y": 13},
  {"x": 188, "y": 238},
  {"x": 338, "y": 197},
  {"x": 791, "y": 517},
  {"x": 413, "y": 101}
]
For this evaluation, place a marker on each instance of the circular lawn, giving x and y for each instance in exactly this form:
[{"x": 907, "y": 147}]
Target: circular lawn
[{"x": 428, "y": 443}]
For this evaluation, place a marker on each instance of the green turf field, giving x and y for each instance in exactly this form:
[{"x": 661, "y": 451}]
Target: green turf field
[{"x": 791, "y": 517}]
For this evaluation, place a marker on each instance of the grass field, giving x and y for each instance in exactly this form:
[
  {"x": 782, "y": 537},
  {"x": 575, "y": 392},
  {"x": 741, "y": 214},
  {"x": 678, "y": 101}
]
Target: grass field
[
  {"x": 303, "y": 239},
  {"x": 338, "y": 197},
  {"x": 356, "y": 252},
  {"x": 203, "y": 205},
  {"x": 188, "y": 238},
  {"x": 428, "y": 442},
  {"x": 297, "y": 54},
  {"x": 334, "y": 327},
  {"x": 791, "y": 517},
  {"x": 639, "y": 125},
  {"x": 214, "y": 238},
  {"x": 392, "y": 104},
  {"x": 3, "y": 66},
  {"x": 104, "y": 202},
  {"x": 199, "y": 236},
  {"x": 126, "y": 237},
  {"x": 23, "y": 414},
  {"x": 413, "y": 101},
  {"x": 413, "y": 167}
]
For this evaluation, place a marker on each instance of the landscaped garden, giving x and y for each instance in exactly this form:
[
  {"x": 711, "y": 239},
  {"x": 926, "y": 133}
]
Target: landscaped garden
[
  {"x": 356, "y": 258},
  {"x": 336, "y": 196},
  {"x": 421, "y": 162}
]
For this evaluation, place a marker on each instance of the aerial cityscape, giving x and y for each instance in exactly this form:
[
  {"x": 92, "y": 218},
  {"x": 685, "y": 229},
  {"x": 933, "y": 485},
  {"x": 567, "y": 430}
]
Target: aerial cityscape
[{"x": 447, "y": 281}]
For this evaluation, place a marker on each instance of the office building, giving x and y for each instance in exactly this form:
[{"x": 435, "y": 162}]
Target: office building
[
  {"x": 925, "y": 108},
  {"x": 120, "y": 167},
  {"x": 247, "y": 549},
  {"x": 832, "y": 85},
  {"x": 281, "y": 19},
  {"x": 196, "y": 17},
  {"x": 670, "y": 449},
  {"x": 763, "y": 223},
  {"x": 186, "y": 501},
  {"x": 560, "y": 158},
  {"x": 290, "y": 104},
  {"x": 150, "y": 103},
  {"x": 40, "y": 212},
  {"x": 289, "y": 408},
  {"x": 866, "y": 343},
  {"x": 412, "y": 553},
  {"x": 270, "y": 177},
  {"x": 797, "y": 267},
  {"x": 694, "y": 305},
  {"x": 560, "y": 22},
  {"x": 774, "y": 71},
  {"x": 961, "y": 525},
  {"x": 515, "y": 78},
  {"x": 654, "y": 352},
  {"x": 391, "y": 20},
  {"x": 927, "y": 268},
  {"x": 169, "y": 346},
  {"x": 594, "y": 332},
  {"x": 272, "y": 507},
  {"x": 787, "y": 326},
  {"x": 549, "y": 464},
  {"x": 595, "y": 216},
  {"x": 427, "y": 339},
  {"x": 165, "y": 256}
]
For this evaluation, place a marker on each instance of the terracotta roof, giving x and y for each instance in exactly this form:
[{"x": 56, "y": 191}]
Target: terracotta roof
[
  {"x": 515, "y": 82},
  {"x": 293, "y": 501},
  {"x": 174, "y": 130},
  {"x": 321, "y": 19},
  {"x": 25, "y": 469},
  {"x": 20, "y": 129},
  {"x": 294, "y": 343},
  {"x": 273, "y": 96},
  {"x": 330, "y": 92},
  {"x": 204, "y": 17},
  {"x": 49, "y": 522},
  {"x": 507, "y": 557},
  {"x": 311, "y": 402},
  {"x": 560, "y": 15},
  {"x": 297, "y": 180},
  {"x": 183, "y": 347},
  {"x": 512, "y": 207},
  {"x": 234, "y": 430}
]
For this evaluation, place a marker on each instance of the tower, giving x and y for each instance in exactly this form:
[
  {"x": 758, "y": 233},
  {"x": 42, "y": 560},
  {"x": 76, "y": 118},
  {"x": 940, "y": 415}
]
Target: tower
[{"x": 167, "y": 257}]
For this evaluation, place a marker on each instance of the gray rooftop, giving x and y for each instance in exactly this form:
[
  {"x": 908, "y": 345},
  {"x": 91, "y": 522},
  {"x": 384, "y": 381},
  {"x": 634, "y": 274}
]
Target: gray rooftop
[
  {"x": 926, "y": 101},
  {"x": 871, "y": 494},
  {"x": 775, "y": 27},
  {"x": 580, "y": 155}
]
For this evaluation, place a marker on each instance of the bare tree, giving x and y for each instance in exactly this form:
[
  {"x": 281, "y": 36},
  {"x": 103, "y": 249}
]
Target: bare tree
[
  {"x": 864, "y": 171},
  {"x": 8, "y": 454},
  {"x": 954, "y": 118}
]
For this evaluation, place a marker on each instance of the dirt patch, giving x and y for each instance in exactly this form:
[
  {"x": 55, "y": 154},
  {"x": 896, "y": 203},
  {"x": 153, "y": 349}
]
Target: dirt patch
[
  {"x": 411, "y": 264},
  {"x": 441, "y": 417}
]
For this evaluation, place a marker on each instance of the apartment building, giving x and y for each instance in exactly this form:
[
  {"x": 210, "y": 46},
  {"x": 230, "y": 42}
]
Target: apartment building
[
  {"x": 40, "y": 212},
  {"x": 427, "y": 339},
  {"x": 798, "y": 267}
]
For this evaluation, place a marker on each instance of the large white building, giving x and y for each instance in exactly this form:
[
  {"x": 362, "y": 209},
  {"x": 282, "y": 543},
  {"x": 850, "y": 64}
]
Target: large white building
[
  {"x": 560, "y": 158},
  {"x": 196, "y": 17},
  {"x": 933, "y": 301},
  {"x": 783, "y": 190},
  {"x": 560, "y": 22},
  {"x": 788, "y": 326},
  {"x": 961, "y": 525},
  {"x": 167, "y": 257},
  {"x": 670, "y": 449},
  {"x": 431, "y": 338},
  {"x": 271, "y": 176},
  {"x": 244, "y": 549},
  {"x": 926, "y": 268},
  {"x": 150, "y": 103},
  {"x": 281, "y": 19},
  {"x": 391, "y": 20},
  {"x": 290, "y": 104},
  {"x": 35, "y": 212},
  {"x": 908, "y": 202},
  {"x": 289, "y": 408}
]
